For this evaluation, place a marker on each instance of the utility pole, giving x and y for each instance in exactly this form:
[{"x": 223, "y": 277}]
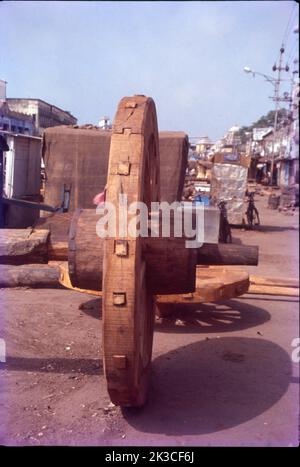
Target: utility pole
[
  {"x": 292, "y": 116},
  {"x": 294, "y": 108},
  {"x": 277, "y": 99}
]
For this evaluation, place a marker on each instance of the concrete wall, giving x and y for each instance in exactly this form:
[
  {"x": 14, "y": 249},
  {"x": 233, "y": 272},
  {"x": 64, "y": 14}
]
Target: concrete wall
[
  {"x": 22, "y": 178},
  {"x": 27, "y": 170}
]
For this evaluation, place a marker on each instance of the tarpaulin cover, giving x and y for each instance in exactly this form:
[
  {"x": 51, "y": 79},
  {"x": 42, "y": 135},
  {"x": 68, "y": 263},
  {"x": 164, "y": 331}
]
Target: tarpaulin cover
[
  {"x": 229, "y": 183},
  {"x": 78, "y": 158},
  {"x": 173, "y": 150}
]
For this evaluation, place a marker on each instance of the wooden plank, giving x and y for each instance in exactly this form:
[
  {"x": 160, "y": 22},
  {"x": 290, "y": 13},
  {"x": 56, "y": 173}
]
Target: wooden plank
[
  {"x": 273, "y": 290},
  {"x": 29, "y": 275},
  {"x": 21, "y": 246},
  {"x": 275, "y": 281}
]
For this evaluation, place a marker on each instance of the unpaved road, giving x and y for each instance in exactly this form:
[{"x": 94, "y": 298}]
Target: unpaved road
[{"x": 222, "y": 373}]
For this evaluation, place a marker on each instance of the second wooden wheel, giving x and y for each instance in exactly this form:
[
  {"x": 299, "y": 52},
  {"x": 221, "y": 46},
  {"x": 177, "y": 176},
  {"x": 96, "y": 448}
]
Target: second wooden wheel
[{"x": 128, "y": 306}]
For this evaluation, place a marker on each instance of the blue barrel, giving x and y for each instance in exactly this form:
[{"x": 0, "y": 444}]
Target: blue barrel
[{"x": 202, "y": 199}]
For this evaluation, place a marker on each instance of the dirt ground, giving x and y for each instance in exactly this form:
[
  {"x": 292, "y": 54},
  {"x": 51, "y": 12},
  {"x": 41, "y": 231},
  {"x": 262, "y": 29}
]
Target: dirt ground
[{"x": 222, "y": 373}]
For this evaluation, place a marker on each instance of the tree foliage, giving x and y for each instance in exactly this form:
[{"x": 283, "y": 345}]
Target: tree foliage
[{"x": 263, "y": 122}]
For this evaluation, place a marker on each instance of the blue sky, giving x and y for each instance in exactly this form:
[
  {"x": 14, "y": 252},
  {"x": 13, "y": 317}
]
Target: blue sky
[{"x": 189, "y": 56}]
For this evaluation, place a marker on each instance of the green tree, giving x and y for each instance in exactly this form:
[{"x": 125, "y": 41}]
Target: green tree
[{"x": 265, "y": 121}]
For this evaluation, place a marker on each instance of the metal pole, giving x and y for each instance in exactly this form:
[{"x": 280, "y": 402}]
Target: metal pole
[
  {"x": 2, "y": 220},
  {"x": 3, "y": 147},
  {"x": 276, "y": 99}
]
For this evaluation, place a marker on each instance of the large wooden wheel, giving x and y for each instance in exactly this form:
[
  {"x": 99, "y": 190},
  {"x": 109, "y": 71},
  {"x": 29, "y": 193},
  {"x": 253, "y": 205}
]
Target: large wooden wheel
[{"x": 128, "y": 306}]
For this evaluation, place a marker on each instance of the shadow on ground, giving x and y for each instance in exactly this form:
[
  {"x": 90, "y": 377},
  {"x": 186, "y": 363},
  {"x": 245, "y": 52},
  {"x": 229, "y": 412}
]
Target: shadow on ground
[
  {"x": 92, "y": 308},
  {"x": 226, "y": 316},
  {"x": 212, "y": 385}
]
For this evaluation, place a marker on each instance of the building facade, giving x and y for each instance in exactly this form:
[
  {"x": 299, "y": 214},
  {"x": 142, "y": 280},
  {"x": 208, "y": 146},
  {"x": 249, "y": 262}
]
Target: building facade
[
  {"x": 15, "y": 122},
  {"x": 44, "y": 115},
  {"x": 20, "y": 177},
  {"x": 105, "y": 123},
  {"x": 203, "y": 145}
]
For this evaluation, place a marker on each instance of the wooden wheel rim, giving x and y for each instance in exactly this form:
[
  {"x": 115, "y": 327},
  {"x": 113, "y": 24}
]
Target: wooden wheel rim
[{"x": 128, "y": 307}]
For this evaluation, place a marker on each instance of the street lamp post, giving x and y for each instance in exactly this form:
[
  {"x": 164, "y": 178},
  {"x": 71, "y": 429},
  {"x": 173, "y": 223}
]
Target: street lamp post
[
  {"x": 276, "y": 83},
  {"x": 268, "y": 78}
]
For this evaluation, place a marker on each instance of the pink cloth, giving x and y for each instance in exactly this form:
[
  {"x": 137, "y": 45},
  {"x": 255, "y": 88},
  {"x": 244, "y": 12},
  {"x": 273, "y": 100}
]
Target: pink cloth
[{"x": 99, "y": 198}]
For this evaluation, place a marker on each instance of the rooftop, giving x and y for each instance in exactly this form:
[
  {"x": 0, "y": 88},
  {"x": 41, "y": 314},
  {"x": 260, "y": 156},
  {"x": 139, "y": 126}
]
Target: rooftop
[{"x": 39, "y": 100}]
